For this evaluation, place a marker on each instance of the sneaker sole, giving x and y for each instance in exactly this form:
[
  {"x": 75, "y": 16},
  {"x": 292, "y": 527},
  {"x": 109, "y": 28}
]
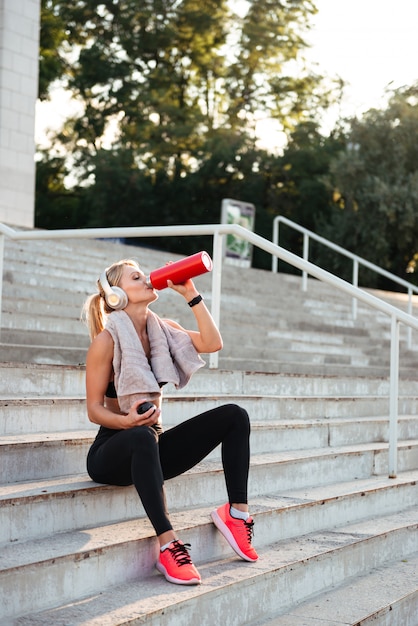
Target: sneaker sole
[
  {"x": 224, "y": 530},
  {"x": 176, "y": 581}
]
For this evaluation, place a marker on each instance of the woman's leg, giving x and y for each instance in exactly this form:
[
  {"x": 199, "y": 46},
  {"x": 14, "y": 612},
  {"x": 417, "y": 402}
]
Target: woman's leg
[
  {"x": 185, "y": 445},
  {"x": 132, "y": 457}
]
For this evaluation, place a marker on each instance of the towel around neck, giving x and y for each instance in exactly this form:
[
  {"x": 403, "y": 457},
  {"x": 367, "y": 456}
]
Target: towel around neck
[{"x": 174, "y": 359}]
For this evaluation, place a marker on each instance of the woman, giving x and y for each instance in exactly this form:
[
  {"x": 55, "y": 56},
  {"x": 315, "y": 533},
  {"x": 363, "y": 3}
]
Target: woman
[{"x": 133, "y": 353}]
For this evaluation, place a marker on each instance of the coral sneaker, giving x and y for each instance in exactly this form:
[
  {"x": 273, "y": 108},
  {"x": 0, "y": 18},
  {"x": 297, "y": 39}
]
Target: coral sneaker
[
  {"x": 176, "y": 565},
  {"x": 237, "y": 532}
]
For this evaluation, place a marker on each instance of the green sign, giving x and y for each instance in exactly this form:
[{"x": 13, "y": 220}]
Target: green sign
[{"x": 237, "y": 251}]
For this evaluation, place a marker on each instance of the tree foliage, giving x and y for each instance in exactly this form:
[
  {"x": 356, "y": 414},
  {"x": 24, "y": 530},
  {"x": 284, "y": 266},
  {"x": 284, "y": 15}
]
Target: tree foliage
[
  {"x": 376, "y": 186},
  {"x": 52, "y": 65},
  {"x": 172, "y": 74}
]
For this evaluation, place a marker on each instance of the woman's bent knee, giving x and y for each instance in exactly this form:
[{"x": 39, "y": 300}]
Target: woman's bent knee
[
  {"x": 238, "y": 416},
  {"x": 140, "y": 436}
]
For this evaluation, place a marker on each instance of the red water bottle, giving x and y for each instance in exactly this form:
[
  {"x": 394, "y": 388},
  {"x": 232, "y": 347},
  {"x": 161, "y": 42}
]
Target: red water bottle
[{"x": 180, "y": 271}]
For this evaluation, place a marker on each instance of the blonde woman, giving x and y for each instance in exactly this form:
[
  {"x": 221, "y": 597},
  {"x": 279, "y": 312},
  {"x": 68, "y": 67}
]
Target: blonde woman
[{"x": 133, "y": 353}]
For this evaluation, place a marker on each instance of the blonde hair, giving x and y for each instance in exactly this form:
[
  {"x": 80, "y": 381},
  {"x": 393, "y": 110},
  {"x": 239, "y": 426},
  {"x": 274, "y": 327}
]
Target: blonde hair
[{"x": 95, "y": 309}]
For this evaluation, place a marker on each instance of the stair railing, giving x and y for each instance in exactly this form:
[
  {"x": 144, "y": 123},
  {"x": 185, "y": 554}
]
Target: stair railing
[
  {"x": 218, "y": 231},
  {"x": 357, "y": 261}
]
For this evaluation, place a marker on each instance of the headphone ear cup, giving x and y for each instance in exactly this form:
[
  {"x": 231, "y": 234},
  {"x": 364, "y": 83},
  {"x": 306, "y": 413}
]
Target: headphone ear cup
[{"x": 116, "y": 298}]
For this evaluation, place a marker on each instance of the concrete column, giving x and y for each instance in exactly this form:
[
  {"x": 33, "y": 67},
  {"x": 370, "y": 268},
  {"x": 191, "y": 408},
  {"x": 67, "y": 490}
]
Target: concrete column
[{"x": 19, "y": 52}]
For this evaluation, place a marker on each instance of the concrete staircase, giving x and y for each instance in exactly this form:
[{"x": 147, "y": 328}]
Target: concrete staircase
[{"x": 337, "y": 539}]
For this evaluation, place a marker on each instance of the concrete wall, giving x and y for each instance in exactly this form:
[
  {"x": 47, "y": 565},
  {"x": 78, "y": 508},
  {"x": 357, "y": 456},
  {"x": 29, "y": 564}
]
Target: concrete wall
[{"x": 19, "y": 49}]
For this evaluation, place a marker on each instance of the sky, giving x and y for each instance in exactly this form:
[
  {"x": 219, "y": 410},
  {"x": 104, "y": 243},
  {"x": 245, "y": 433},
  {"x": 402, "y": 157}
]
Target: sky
[{"x": 368, "y": 43}]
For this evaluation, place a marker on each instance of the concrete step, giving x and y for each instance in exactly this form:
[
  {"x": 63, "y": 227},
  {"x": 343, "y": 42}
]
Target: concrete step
[
  {"x": 45, "y": 308},
  {"x": 302, "y": 354},
  {"x": 288, "y": 572},
  {"x": 387, "y": 596},
  {"x": 283, "y": 422},
  {"x": 23, "y": 380},
  {"x": 298, "y": 352},
  {"x": 54, "y": 414},
  {"x": 29, "y": 457},
  {"x": 293, "y": 407},
  {"x": 38, "y": 353},
  {"x": 19, "y": 337},
  {"x": 269, "y": 360},
  {"x": 13, "y": 320},
  {"x": 305, "y": 368}
]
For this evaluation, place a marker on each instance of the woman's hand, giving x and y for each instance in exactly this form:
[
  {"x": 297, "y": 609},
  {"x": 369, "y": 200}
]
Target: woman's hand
[
  {"x": 133, "y": 418},
  {"x": 207, "y": 338},
  {"x": 186, "y": 289}
]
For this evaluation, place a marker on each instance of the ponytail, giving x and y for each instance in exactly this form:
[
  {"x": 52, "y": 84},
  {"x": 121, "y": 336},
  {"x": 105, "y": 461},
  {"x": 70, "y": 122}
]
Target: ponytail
[{"x": 93, "y": 315}]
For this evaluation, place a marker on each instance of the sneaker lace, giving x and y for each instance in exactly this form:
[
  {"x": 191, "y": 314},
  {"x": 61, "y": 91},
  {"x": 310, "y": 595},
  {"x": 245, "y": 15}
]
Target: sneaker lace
[
  {"x": 180, "y": 553},
  {"x": 249, "y": 527}
]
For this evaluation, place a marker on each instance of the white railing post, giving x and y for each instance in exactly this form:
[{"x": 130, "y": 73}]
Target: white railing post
[
  {"x": 216, "y": 289},
  {"x": 393, "y": 396},
  {"x": 1, "y": 274},
  {"x": 306, "y": 258},
  {"x": 274, "y": 259},
  {"x": 355, "y": 284},
  {"x": 409, "y": 329}
]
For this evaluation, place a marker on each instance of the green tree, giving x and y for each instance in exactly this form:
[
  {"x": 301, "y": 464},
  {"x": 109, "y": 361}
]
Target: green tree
[
  {"x": 56, "y": 205},
  {"x": 52, "y": 64},
  {"x": 169, "y": 73},
  {"x": 376, "y": 187},
  {"x": 296, "y": 185}
]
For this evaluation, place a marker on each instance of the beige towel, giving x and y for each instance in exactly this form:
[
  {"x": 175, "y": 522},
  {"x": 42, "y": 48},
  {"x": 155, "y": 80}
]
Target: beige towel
[{"x": 174, "y": 359}]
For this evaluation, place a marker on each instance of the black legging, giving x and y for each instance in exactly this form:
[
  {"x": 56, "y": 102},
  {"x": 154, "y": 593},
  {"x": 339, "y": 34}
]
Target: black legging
[{"x": 141, "y": 457}]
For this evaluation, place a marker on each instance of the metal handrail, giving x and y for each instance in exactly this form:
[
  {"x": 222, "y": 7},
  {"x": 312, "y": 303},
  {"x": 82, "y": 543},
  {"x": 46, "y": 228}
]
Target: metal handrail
[
  {"x": 357, "y": 261},
  {"x": 218, "y": 231}
]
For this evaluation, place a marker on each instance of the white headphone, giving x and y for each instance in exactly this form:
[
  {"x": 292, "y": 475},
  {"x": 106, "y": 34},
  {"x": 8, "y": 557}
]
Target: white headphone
[{"x": 115, "y": 297}]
